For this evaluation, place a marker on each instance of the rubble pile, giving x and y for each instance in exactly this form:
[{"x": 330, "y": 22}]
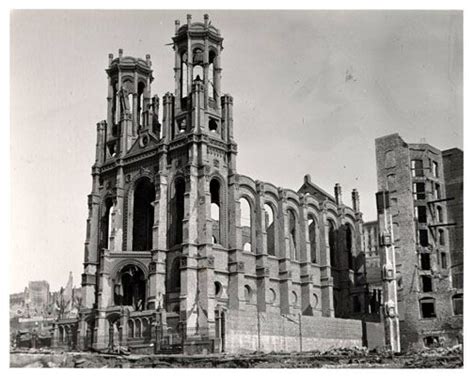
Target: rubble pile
[{"x": 440, "y": 357}]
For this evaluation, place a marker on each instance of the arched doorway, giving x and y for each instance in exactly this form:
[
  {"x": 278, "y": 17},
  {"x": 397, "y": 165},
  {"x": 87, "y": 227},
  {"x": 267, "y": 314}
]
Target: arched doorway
[{"x": 130, "y": 289}]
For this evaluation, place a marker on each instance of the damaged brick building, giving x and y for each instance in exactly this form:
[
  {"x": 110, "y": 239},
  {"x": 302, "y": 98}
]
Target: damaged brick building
[
  {"x": 185, "y": 254},
  {"x": 425, "y": 186}
]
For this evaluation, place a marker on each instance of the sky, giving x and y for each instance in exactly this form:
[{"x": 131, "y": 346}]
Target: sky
[{"x": 312, "y": 90}]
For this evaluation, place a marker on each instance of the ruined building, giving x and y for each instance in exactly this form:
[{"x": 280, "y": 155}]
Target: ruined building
[
  {"x": 185, "y": 254},
  {"x": 425, "y": 187}
]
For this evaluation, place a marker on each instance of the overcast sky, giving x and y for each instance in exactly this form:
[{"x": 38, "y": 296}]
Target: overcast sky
[{"x": 312, "y": 90}]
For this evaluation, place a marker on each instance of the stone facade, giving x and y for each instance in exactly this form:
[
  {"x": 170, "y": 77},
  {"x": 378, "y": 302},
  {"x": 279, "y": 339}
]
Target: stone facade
[
  {"x": 185, "y": 254},
  {"x": 425, "y": 190}
]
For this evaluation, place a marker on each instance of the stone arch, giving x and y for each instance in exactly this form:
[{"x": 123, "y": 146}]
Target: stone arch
[{"x": 130, "y": 285}]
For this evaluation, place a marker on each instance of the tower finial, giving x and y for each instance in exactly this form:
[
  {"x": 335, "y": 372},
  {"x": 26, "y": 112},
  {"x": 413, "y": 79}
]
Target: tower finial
[
  {"x": 176, "y": 25},
  {"x": 189, "y": 17}
]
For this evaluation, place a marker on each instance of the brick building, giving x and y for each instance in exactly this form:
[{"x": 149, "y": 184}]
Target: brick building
[
  {"x": 185, "y": 254},
  {"x": 425, "y": 187}
]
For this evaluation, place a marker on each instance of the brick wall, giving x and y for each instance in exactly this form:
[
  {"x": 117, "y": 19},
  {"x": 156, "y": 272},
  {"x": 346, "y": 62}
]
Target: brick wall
[{"x": 282, "y": 333}]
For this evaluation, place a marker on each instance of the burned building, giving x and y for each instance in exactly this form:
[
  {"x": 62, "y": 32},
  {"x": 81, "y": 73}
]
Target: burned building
[
  {"x": 185, "y": 254},
  {"x": 425, "y": 187}
]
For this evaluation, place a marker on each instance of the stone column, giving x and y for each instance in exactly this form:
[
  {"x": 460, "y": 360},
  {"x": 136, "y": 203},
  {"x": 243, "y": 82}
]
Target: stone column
[
  {"x": 305, "y": 258},
  {"x": 89, "y": 277},
  {"x": 262, "y": 270},
  {"x": 327, "y": 300},
  {"x": 160, "y": 231},
  {"x": 236, "y": 264},
  {"x": 189, "y": 278},
  {"x": 285, "y": 257},
  {"x": 206, "y": 260}
]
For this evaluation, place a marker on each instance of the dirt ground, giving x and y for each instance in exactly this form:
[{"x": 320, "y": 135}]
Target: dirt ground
[{"x": 336, "y": 358}]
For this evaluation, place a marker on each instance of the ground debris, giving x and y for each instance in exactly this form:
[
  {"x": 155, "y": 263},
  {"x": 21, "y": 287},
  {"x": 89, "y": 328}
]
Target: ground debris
[{"x": 356, "y": 357}]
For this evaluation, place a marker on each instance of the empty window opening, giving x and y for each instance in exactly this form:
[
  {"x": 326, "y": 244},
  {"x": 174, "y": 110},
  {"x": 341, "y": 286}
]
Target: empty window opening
[
  {"x": 213, "y": 126},
  {"x": 107, "y": 223},
  {"x": 332, "y": 243},
  {"x": 417, "y": 167},
  {"x": 217, "y": 289},
  {"x": 247, "y": 293},
  {"x": 458, "y": 304},
  {"x": 425, "y": 261},
  {"x": 178, "y": 216},
  {"x": 435, "y": 169},
  {"x": 184, "y": 75},
  {"x": 427, "y": 308},
  {"x": 246, "y": 224},
  {"x": 441, "y": 239},
  {"x": 292, "y": 234},
  {"x": 214, "y": 189},
  {"x": 444, "y": 260},
  {"x": 419, "y": 191},
  {"x": 439, "y": 211},
  {"x": 312, "y": 239},
  {"x": 198, "y": 73},
  {"x": 143, "y": 215},
  {"x": 270, "y": 229},
  {"x": 350, "y": 260},
  {"x": 426, "y": 283},
  {"x": 115, "y": 99},
  {"x": 211, "y": 75},
  {"x": 130, "y": 290},
  {"x": 420, "y": 212},
  {"x": 423, "y": 237},
  {"x": 437, "y": 191},
  {"x": 140, "y": 106}
]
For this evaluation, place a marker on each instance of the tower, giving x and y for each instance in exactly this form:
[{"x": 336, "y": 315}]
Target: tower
[{"x": 158, "y": 193}]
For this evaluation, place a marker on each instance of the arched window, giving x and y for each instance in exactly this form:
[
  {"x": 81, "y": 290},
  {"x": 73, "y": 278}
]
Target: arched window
[
  {"x": 349, "y": 246},
  {"x": 292, "y": 234},
  {"x": 198, "y": 73},
  {"x": 215, "y": 191},
  {"x": 178, "y": 212},
  {"x": 140, "y": 106},
  {"x": 106, "y": 223},
  {"x": 184, "y": 75},
  {"x": 213, "y": 126},
  {"x": 247, "y": 293},
  {"x": 217, "y": 289},
  {"x": 270, "y": 229},
  {"x": 332, "y": 242},
  {"x": 138, "y": 325},
  {"x": 143, "y": 215},
  {"x": 246, "y": 224},
  {"x": 312, "y": 231},
  {"x": 211, "y": 90},
  {"x": 131, "y": 290}
]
